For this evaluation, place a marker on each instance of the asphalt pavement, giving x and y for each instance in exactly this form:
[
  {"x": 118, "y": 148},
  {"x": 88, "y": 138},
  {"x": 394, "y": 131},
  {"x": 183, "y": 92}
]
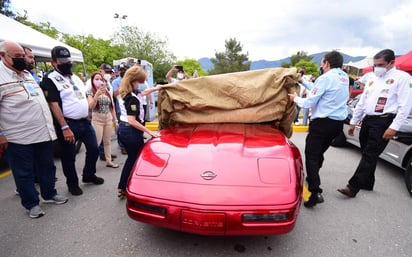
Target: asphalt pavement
[{"x": 376, "y": 223}]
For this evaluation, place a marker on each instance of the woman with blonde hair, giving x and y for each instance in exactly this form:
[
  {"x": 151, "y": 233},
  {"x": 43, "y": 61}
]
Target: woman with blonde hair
[{"x": 131, "y": 126}]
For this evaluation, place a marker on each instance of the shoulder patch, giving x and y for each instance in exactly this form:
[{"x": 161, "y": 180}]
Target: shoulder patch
[{"x": 133, "y": 107}]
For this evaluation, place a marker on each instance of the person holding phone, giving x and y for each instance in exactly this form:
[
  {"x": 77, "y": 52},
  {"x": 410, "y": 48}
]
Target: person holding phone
[
  {"x": 180, "y": 74},
  {"x": 103, "y": 115}
]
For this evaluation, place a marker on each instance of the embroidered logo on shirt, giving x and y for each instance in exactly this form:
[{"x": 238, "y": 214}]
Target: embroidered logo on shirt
[
  {"x": 390, "y": 81},
  {"x": 133, "y": 107},
  {"x": 410, "y": 85},
  {"x": 66, "y": 86},
  {"x": 59, "y": 79},
  {"x": 314, "y": 90}
]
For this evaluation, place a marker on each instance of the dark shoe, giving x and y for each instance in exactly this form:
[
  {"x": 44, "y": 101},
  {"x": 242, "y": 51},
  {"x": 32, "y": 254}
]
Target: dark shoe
[
  {"x": 75, "y": 190},
  {"x": 313, "y": 200},
  {"x": 114, "y": 156},
  {"x": 347, "y": 191},
  {"x": 123, "y": 151},
  {"x": 93, "y": 179}
]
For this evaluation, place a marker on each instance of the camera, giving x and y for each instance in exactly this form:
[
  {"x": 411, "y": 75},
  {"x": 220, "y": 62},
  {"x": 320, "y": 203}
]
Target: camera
[{"x": 179, "y": 67}]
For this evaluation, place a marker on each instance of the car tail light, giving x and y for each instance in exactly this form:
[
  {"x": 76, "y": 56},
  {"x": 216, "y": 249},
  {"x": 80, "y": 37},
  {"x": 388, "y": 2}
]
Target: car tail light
[
  {"x": 265, "y": 217},
  {"x": 149, "y": 208}
]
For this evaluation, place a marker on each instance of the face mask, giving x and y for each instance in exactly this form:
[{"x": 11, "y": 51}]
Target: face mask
[
  {"x": 19, "y": 63},
  {"x": 320, "y": 71},
  {"x": 379, "y": 71},
  {"x": 141, "y": 88},
  {"x": 180, "y": 75},
  {"x": 122, "y": 74},
  {"x": 98, "y": 83},
  {"x": 107, "y": 77},
  {"x": 65, "y": 68}
]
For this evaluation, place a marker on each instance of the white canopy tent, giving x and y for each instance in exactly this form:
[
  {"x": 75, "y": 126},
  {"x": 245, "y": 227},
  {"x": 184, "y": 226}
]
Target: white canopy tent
[
  {"x": 368, "y": 61},
  {"x": 40, "y": 43}
]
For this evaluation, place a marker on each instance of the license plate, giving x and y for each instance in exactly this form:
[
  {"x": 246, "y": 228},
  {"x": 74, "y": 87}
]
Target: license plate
[{"x": 203, "y": 221}]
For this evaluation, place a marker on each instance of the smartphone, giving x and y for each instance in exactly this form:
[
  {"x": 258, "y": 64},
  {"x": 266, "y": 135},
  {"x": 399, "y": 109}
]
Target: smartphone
[{"x": 179, "y": 67}]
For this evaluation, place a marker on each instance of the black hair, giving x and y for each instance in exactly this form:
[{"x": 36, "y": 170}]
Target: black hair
[
  {"x": 27, "y": 48},
  {"x": 387, "y": 54},
  {"x": 334, "y": 58}
]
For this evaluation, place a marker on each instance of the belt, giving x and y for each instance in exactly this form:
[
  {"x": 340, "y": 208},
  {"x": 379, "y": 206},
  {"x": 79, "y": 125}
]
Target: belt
[
  {"x": 385, "y": 115},
  {"x": 82, "y": 119},
  {"x": 124, "y": 124}
]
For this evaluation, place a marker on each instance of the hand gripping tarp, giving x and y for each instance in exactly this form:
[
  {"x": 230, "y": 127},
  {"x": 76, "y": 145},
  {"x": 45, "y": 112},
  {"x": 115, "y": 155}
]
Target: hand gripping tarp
[{"x": 242, "y": 97}]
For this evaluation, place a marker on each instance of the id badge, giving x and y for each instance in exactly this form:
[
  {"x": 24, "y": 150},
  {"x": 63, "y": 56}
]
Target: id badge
[
  {"x": 380, "y": 105},
  {"x": 79, "y": 95},
  {"x": 30, "y": 89}
]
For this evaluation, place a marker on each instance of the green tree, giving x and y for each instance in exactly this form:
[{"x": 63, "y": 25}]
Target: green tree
[
  {"x": 5, "y": 8},
  {"x": 285, "y": 65},
  {"x": 146, "y": 46},
  {"x": 300, "y": 55},
  {"x": 311, "y": 67},
  {"x": 231, "y": 60},
  {"x": 192, "y": 65},
  {"x": 95, "y": 51}
]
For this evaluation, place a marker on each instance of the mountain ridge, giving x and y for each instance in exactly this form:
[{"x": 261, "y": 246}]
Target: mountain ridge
[{"x": 207, "y": 65}]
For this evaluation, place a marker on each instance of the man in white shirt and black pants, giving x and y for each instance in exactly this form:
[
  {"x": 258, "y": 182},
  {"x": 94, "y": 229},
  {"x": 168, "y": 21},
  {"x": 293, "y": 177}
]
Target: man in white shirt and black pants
[{"x": 385, "y": 102}]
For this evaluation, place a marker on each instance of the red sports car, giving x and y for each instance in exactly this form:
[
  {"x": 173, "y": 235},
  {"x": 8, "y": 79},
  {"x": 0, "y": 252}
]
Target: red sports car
[{"x": 218, "y": 179}]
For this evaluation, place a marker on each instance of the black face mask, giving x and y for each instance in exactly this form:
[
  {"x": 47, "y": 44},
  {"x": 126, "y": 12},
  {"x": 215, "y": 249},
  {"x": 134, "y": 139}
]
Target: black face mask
[
  {"x": 65, "y": 68},
  {"x": 19, "y": 63}
]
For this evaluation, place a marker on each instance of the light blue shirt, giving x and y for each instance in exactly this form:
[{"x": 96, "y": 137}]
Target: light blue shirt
[
  {"x": 36, "y": 78},
  {"x": 327, "y": 96},
  {"x": 116, "y": 83}
]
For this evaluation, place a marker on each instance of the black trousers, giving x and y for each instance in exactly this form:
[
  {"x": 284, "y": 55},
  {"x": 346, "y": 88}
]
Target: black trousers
[
  {"x": 372, "y": 145},
  {"x": 321, "y": 133}
]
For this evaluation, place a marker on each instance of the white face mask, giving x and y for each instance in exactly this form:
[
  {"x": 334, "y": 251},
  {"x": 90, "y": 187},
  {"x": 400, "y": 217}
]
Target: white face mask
[
  {"x": 379, "y": 71},
  {"x": 98, "y": 83},
  {"x": 107, "y": 77},
  {"x": 180, "y": 75}
]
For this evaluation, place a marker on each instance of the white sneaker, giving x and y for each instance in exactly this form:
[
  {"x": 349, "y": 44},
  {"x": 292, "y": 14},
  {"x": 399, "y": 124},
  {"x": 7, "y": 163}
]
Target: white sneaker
[
  {"x": 57, "y": 199},
  {"x": 36, "y": 212}
]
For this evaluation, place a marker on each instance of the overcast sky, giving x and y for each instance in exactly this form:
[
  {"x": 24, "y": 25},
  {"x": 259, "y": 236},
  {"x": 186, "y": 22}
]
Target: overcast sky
[{"x": 269, "y": 30}]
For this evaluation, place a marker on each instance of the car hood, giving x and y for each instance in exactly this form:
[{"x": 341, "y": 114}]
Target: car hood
[{"x": 217, "y": 164}]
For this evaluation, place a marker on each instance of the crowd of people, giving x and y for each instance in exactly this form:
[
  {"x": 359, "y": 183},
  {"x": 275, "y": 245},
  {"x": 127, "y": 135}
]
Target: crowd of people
[{"x": 65, "y": 108}]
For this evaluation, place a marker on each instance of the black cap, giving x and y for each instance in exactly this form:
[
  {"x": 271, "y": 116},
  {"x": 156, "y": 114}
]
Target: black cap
[
  {"x": 106, "y": 67},
  {"x": 123, "y": 66},
  {"x": 61, "y": 54}
]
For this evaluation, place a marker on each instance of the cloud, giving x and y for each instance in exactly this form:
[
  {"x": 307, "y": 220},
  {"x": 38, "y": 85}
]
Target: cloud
[{"x": 266, "y": 29}]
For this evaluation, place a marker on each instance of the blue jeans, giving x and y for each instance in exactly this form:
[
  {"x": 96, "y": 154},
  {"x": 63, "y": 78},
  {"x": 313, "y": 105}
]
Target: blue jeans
[
  {"x": 84, "y": 131},
  {"x": 133, "y": 141},
  {"x": 28, "y": 161},
  {"x": 305, "y": 115}
]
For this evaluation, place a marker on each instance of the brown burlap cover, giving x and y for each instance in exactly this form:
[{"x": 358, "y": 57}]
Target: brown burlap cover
[{"x": 241, "y": 97}]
